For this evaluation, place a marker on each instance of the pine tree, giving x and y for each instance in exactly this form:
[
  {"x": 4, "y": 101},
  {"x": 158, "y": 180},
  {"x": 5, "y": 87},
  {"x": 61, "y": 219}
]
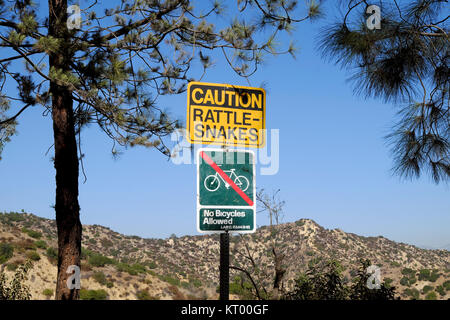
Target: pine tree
[
  {"x": 108, "y": 66},
  {"x": 405, "y": 61}
]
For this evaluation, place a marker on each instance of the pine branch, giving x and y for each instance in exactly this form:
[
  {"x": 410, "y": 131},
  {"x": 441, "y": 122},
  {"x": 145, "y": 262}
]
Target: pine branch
[{"x": 16, "y": 115}]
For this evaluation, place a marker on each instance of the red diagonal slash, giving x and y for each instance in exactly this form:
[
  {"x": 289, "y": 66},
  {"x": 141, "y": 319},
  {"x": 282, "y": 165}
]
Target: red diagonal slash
[{"x": 209, "y": 161}]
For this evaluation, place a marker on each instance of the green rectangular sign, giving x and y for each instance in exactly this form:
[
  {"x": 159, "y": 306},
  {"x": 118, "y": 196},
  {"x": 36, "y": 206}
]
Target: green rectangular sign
[{"x": 226, "y": 191}]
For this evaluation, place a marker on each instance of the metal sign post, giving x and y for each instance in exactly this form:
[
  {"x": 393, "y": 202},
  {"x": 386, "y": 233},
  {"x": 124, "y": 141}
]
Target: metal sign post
[{"x": 224, "y": 284}]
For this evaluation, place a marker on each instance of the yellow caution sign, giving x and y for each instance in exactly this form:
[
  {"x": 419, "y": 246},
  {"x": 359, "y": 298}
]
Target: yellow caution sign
[{"x": 222, "y": 114}]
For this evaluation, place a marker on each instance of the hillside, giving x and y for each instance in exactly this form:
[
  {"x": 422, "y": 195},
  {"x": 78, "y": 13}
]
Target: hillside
[{"x": 130, "y": 267}]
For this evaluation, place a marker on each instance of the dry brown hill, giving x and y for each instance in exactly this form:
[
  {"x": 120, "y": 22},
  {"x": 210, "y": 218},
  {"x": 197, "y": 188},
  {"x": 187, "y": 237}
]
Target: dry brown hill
[{"x": 129, "y": 267}]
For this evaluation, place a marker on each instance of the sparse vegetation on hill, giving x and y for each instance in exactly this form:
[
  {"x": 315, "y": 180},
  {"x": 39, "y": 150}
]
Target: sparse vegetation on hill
[{"x": 129, "y": 267}]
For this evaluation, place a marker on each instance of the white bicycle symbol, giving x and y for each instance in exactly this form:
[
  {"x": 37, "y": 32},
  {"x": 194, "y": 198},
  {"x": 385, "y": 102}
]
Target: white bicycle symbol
[{"x": 212, "y": 182}]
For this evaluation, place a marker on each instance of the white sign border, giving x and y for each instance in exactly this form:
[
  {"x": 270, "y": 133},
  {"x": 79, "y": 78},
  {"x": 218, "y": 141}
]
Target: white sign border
[{"x": 199, "y": 206}]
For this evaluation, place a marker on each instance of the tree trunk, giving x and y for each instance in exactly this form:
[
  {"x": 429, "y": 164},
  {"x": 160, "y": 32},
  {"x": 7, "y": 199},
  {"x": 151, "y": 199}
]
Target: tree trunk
[
  {"x": 66, "y": 158},
  {"x": 279, "y": 272}
]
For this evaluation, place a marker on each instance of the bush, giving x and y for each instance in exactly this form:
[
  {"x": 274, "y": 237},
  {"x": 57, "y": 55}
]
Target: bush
[
  {"x": 176, "y": 293},
  {"x": 170, "y": 280},
  {"x": 404, "y": 281},
  {"x": 97, "y": 260},
  {"x": 23, "y": 245},
  {"x": 100, "y": 277},
  {"x": 299, "y": 223},
  {"x": 133, "y": 270},
  {"x": 325, "y": 281},
  {"x": 413, "y": 293},
  {"x": 426, "y": 289},
  {"x": 41, "y": 244},
  {"x": 12, "y": 266},
  {"x": 93, "y": 294},
  {"x": 47, "y": 292},
  {"x": 388, "y": 282},
  {"x": 241, "y": 288},
  {"x": 32, "y": 233},
  {"x": 12, "y": 217},
  {"x": 6, "y": 252},
  {"x": 195, "y": 282},
  {"x": 431, "y": 296},
  {"x": 86, "y": 253},
  {"x": 33, "y": 255},
  {"x": 428, "y": 275},
  {"x": 440, "y": 290},
  {"x": 409, "y": 277},
  {"x": 144, "y": 295},
  {"x": 434, "y": 276},
  {"x": 446, "y": 285},
  {"x": 424, "y": 274},
  {"x": 52, "y": 253},
  {"x": 408, "y": 272}
]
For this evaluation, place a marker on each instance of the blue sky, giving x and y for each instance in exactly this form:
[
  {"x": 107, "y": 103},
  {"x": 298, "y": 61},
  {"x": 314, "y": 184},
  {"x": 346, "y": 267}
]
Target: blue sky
[{"x": 334, "y": 163}]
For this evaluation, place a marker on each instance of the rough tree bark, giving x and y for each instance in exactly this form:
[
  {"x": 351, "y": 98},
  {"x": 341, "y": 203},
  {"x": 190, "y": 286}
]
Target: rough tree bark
[
  {"x": 279, "y": 271},
  {"x": 66, "y": 158}
]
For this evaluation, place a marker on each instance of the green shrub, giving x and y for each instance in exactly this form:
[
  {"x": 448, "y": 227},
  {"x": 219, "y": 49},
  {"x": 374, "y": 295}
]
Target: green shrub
[
  {"x": 6, "y": 252},
  {"x": 426, "y": 289},
  {"x": 428, "y": 275},
  {"x": 9, "y": 217},
  {"x": 23, "y": 245},
  {"x": 325, "y": 281},
  {"x": 133, "y": 269},
  {"x": 408, "y": 272},
  {"x": 97, "y": 260},
  {"x": 424, "y": 274},
  {"x": 52, "y": 253},
  {"x": 241, "y": 288},
  {"x": 431, "y": 296},
  {"x": 93, "y": 294},
  {"x": 47, "y": 292},
  {"x": 12, "y": 266},
  {"x": 299, "y": 223},
  {"x": 413, "y": 293},
  {"x": 41, "y": 244},
  {"x": 33, "y": 255},
  {"x": 446, "y": 285},
  {"x": 32, "y": 233},
  {"x": 100, "y": 277},
  {"x": 169, "y": 279},
  {"x": 144, "y": 295},
  {"x": 440, "y": 290},
  {"x": 434, "y": 276},
  {"x": 195, "y": 282},
  {"x": 86, "y": 253},
  {"x": 404, "y": 281},
  {"x": 388, "y": 282}
]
